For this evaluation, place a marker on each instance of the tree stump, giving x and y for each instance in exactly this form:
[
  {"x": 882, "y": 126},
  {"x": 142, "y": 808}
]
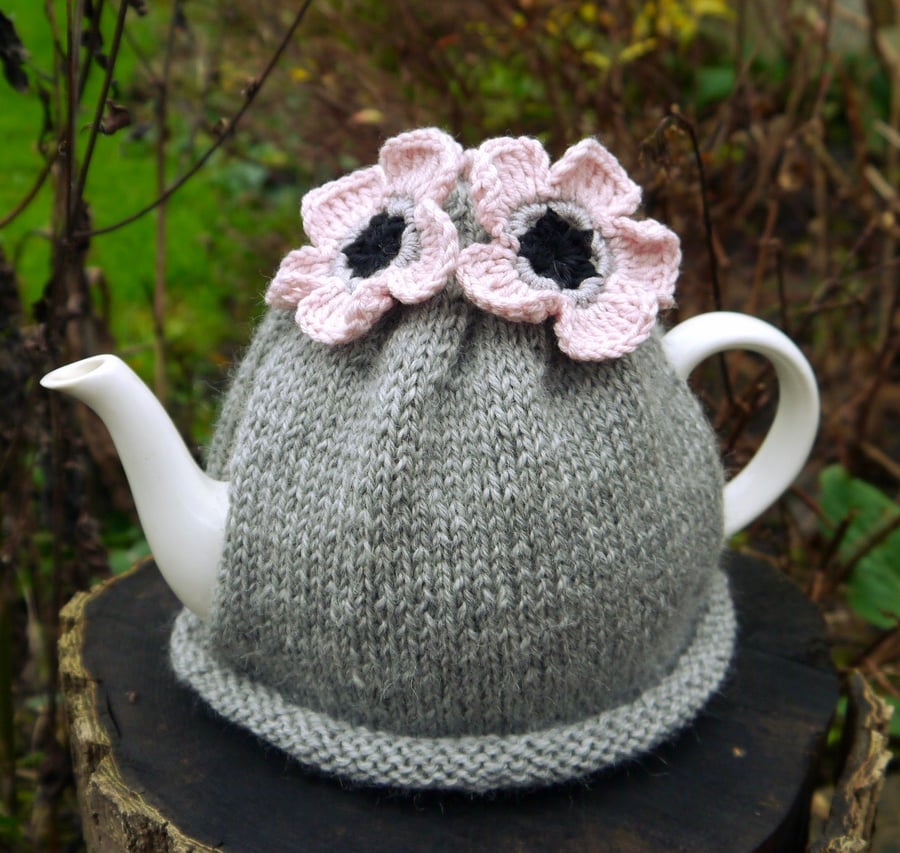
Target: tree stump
[{"x": 157, "y": 771}]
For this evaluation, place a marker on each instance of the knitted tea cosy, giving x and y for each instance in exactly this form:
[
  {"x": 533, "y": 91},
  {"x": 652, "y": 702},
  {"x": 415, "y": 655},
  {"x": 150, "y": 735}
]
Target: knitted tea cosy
[{"x": 475, "y": 519}]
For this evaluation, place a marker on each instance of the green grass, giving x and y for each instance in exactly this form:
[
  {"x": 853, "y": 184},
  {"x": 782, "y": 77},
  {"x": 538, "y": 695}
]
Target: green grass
[{"x": 215, "y": 223}]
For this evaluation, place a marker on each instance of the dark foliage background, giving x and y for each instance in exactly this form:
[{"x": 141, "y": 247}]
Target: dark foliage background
[{"x": 778, "y": 122}]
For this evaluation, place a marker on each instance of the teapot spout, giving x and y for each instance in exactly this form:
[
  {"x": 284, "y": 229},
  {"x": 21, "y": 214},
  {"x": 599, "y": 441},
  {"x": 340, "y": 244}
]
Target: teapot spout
[{"x": 182, "y": 510}]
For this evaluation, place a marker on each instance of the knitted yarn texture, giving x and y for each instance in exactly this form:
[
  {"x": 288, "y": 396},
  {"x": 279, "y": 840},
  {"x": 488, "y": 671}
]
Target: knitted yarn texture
[{"x": 456, "y": 557}]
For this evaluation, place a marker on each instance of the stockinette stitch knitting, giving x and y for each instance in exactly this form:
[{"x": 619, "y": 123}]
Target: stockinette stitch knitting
[{"x": 456, "y": 557}]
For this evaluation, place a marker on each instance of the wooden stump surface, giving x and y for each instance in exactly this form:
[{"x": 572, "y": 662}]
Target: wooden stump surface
[{"x": 157, "y": 771}]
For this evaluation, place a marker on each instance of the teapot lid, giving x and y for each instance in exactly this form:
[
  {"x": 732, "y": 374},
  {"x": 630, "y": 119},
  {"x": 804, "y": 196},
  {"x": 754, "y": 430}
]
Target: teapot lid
[{"x": 476, "y": 519}]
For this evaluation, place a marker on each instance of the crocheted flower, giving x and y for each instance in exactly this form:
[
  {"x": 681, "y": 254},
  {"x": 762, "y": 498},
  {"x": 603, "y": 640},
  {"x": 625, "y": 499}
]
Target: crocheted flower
[
  {"x": 378, "y": 235},
  {"x": 563, "y": 245}
]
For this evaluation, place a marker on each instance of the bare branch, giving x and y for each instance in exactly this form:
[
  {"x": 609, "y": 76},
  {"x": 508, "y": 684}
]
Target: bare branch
[
  {"x": 824, "y": 76},
  {"x": 101, "y": 100},
  {"x": 94, "y": 37},
  {"x": 679, "y": 120},
  {"x": 229, "y": 128},
  {"x": 31, "y": 194},
  {"x": 73, "y": 38},
  {"x": 159, "y": 278},
  {"x": 60, "y": 54}
]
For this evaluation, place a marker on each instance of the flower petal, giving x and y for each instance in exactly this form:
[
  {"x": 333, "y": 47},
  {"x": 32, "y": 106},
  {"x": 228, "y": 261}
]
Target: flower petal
[
  {"x": 505, "y": 174},
  {"x": 488, "y": 276},
  {"x": 331, "y": 314},
  {"x": 337, "y": 209},
  {"x": 299, "y": 274},
  {"x": 617, "y": 323},
  {"x": 423, "y": 163},
  {"x": 591, "y": 177},
  {"x": 439, "y": 249},
  {"x": 648, "y": 254}
]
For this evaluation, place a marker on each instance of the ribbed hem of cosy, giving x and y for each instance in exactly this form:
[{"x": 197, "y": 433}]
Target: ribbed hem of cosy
[{"x": 469, "y": 763}]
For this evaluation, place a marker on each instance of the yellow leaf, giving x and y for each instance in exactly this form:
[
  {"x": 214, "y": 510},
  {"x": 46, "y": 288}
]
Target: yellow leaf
[
  {"x": 637, "y": 50},
  {"x": 300, "y": 75},
  {"x": 597, "y": 59},
  {"x": 367, "y": 115},
  {"x": 713, "y": 9}
]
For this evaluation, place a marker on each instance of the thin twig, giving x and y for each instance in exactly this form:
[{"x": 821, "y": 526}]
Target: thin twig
[
  {"x": 779, "y": 131},
  {"x": 837, "y": 538},
  {"x": 821, "y": 234},
  {"x": 688, "y": 128},
  {"x": 59, "y": 59},
  {"x": 824, "y": 76},
  {"x": 880, "y": 650},
  {"x": 782, "y": 290},
  {"x": 824, "y": 582},
  {"x": 745, "y": 410},
  {"x": 73, "y": 31},
  {"x": 50, "y": 15},
  {"x": 773, "y": 208},
  {"x": 881, "y": 458},
  {"x": 32, "y": 192},
  {"x": 229, "y": 129},
  {"x": 865, "y": 546},
  {"x": 101, "y": 100},
  {"x": 95, "y": 32},
  {"x": 159, "y": 281},
  {"x": 890, "y": 346},
  {"x": 810, "y": 503},
  {"x": 888, "y": 342}
]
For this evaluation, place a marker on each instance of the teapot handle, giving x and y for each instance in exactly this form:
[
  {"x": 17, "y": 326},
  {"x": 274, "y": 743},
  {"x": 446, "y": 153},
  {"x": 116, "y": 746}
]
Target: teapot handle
[{"x": 790, "y": 438}]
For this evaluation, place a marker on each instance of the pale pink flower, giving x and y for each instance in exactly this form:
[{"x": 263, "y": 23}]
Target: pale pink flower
[
  {"x": 562, "y": 244},
  {"x": 379, "y": 236}
]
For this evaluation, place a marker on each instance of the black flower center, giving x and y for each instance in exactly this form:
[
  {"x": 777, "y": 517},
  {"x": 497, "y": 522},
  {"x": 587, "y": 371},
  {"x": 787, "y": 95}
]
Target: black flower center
[
  {"x": 376, "y": 246},
  {"x": 557, "y": 249}
]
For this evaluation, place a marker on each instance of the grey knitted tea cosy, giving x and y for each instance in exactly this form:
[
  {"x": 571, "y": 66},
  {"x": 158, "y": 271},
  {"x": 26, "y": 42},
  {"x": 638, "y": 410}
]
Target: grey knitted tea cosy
[{"x": 475, "y": 520}]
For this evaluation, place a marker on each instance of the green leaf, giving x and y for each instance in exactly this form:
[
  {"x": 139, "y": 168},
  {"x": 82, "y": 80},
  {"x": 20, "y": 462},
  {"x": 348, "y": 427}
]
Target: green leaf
[
  {"x": 874, "y": 591},
  {"x": 874, "y": 584},
  {"x": 10, "y": 828},
  {"x": 843, "y": 494},
  {"x": 714, "y": 84}
]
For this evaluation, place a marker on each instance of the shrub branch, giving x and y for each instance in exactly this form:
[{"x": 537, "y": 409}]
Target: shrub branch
[
  {"x": 252, "y": 92},
  {"x": 101, "y": 100}
]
